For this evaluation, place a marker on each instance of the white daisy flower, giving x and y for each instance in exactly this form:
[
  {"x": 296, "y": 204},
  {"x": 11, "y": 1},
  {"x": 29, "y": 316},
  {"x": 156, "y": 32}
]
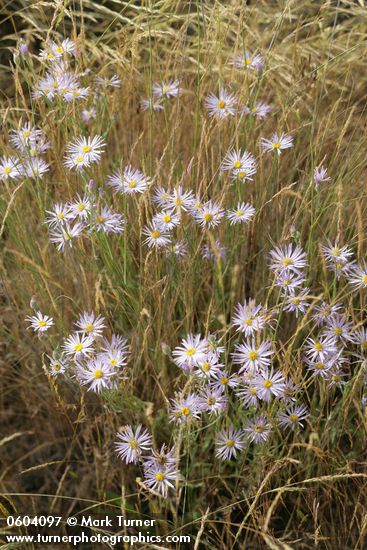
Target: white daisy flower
[
  {"x": 40, "y": 322},
  {"x": 129, "y": 182},
  {"x": 166, "y": 220},
  {"x": 167, "y": 89},
  {"x": 64, "y": 235},
  {"x": 91, "y": 324},
  {"x": 242, "y": 214},
  {"x": 78, "y": 344},
  {"x": 222, "y": 106},
  {"x": 97, "y": 375},
  {"x": 85, "y": 151},
  {"x": 277, "y": 143},
  {"x": 156, "y": 237},
  {"x": 209, "y": 216},
  {"x": 9, "y": 168}
]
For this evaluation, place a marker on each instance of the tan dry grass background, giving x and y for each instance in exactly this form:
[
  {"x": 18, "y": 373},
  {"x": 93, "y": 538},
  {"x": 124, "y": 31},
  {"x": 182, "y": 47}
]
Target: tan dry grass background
[{"x": 306, "y": 492}]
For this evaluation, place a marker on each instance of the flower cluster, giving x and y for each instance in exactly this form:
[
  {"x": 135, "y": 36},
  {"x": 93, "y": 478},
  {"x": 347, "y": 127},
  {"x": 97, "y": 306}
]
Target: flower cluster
[{"x": 160, "y": 467}]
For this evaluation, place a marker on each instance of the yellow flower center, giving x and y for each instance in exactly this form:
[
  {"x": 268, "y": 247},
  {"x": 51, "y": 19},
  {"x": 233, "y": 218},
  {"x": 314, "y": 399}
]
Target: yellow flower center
[
  {"x": 319, "y": 365},
  {"x": 211, "y": 401},
  {"x": 50, "y": 55},
  {"x": 56, "y": 367},
  {"x": 237, "y": 164},
  {"x": 166, "y": 218},
  {"x": 185, "y": 411},
  {"x": 98, "y": 373},
  {"x": 364, "y": 345},
  {"x": 221, "y": 104},
  {"x": 276, "y": 145},
  {"x": 86, "y": 149},
  {"x": 241, "y": 174},
  {"x": 100, "y": 219},
  {"x": 207, "y": 217},
  {"x": 253, "y": 355},
  {"x": 88, "y": 328},
  {"x": 247, "y": 61},
  {"x": 60, "y": 216},
  {"x": 335, "y": 251},
  {"x": 7, "y": 170},
  {"x": 190, "y": 351},
  {"x": 155, "y": 234},
  {"x": 268, "y": 384},
  {"x": 41, "y": 323},
  {"x": 205, "y": 367},
  {"x": 239, "y": 213},
  {"x": 113, "y": 362},
  {"x": 293, "y": 417},
  {"x": 26, "y": 134},
  {"x": 224, "y": 380},
  {"x": 259, "y": 429},
  {"x": 133, "y": 444},
  {"x": 318, "y": 346},
  {"x": 248, "y": 322},
  {"x": 286, "y": 261},
  {"x": 337, "y": 331},
  {"x": 178, "y": 202},
  {"x": 230, "y": 443},
  {"x": 364, "y": 279},
  {"x": 81, "y": 207},
  {"x": 78, "y": 347},
  {"x": 160, "y": 476},
  {"x": 79, "y": 160},
  {"x": 132, "y": 184},
  {"x": 59, "y": 50},
  {"x": 253, "y": 391}
]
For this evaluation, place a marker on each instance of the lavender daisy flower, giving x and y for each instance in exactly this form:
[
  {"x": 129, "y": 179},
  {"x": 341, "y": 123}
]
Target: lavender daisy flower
[
  {"x": 214, "y": 254},
  {"x": 164, "y": 457},
  {"x": 155, "y": 236},
  {"x": 249, "y": 318},
  {"x": 242, "y": 214},
  {"x": 289, "y": 282},
  {"x": 241, "y": 165},
  {"x": 131, "y": 444},
  {"x": 184, "y": 409},
  {"x": 39, "y": 322},
  {"x": 325, "y": 311},
  {"x": 249, "y": 61},
  {"x": 9, "y": 168},
  {"x": 358, "y": 276},
  {"x": 269, "y": 384},
  {"x": 277, "y": 143},
  {"x": 213, "y": 401},
  {"x": 78, "y": 345},
  {"x": 59, "y": 215},
  {"x": 108, "y": 221},
  {"x": 338, "y": 327},
  {"x": 191, "y": 352},
  {"x": 288, "y": 394},
  {"x": 253, "y": 356},
  {"x": 258, "y": 429},
  {"x": 91, "y": 324},
  {"x": 58, "y": 365},
  {"x": 208, "y": 367},
  {"x": 320, "y": 175},
  {"x": 97, "y": 375},
  {"x": 287, "y": 257},
  {"x": 167, "y": 89},
  {"x": 166, "y": 220},
  {"x": 130, "y": 182},
  {"x": 85, "y": 151},
  {"x": 320, "y": 349},
  {"x": 320, "y": 367},
  {"x": 228, "y": 443},
  {"x": 248, "y": 395},
  {"x": 359, "y": 337},
  {"x": 63, "y": 236},
  {"x": 259, "y": 110},
  {"x": 222, "y": 380},
  {"x": 112, "y": 82},
  {"x": 222, "y": 106},
  {"x": 293, "y": 416},
  {"x": 180, "y": 199},
  {"x": 159, "y": 478},
  {"x": 209, "y": 216},
  {"x": 297, "y": 303},
  {"x": 150, "y": 103}
]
